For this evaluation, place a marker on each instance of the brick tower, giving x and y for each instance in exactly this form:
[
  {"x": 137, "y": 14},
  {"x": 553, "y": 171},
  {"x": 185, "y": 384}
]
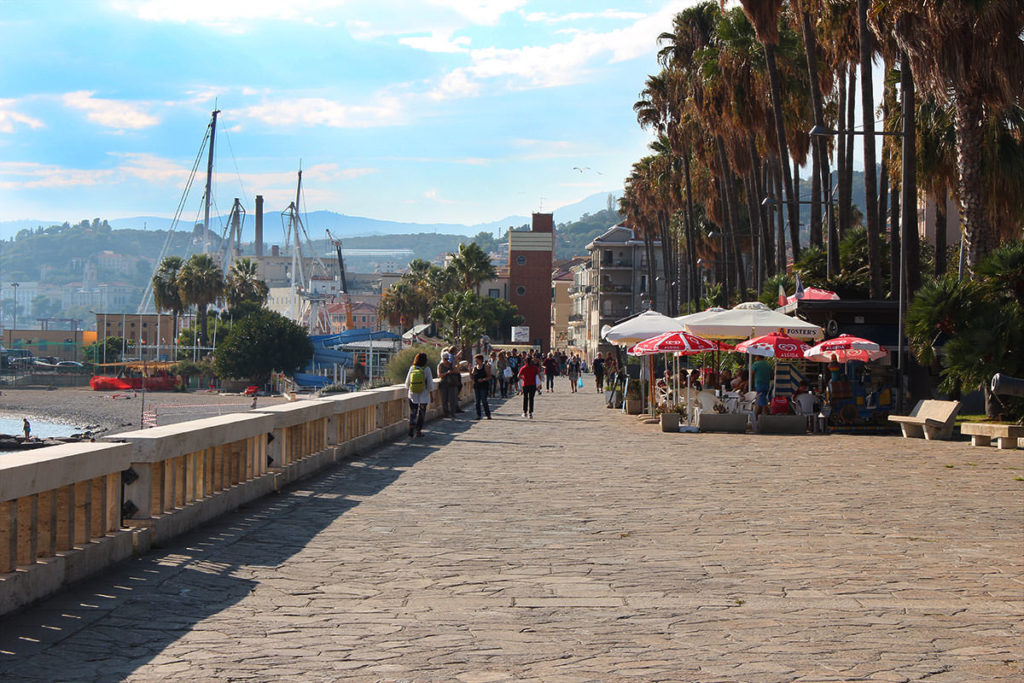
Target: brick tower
[{"x": 530, "y": 257}]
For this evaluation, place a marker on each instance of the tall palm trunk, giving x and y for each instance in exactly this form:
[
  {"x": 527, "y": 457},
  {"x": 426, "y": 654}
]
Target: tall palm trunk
[
  {"x": 691, "y": 233},
  {"x": 756, "y": 245},
  {"x": 732, "y": 207},
  {"x": 780, "y": 134},
  {"x": 843, "y": 222},
  {"x": 867, "y": 40},
  {"x": 780, "y": 235},
  {"x": 894, "y": 238},
  {"x": 979, "y": 237},
  {"x": 820, "y": 181},
  {"x": 940, "y": 235},
  {"x": 912, "y": 257},
  {"x": 763, "y": 222}
]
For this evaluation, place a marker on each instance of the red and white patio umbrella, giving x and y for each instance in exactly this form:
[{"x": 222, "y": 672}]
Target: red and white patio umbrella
[
  {"x": 846, "y": 348},
  {"x": 813, "y": 294},
  {"x": 682, "y": 343},
  {"x": 775, "y": 345}
]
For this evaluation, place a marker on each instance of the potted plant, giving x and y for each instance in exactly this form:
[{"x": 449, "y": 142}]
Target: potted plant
[
  {"x": 634, "y": 397},
  {"x": 670, "y": 416}
]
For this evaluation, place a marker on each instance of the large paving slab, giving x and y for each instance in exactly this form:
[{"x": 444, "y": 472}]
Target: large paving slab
[{"x": 578, "y": 546}]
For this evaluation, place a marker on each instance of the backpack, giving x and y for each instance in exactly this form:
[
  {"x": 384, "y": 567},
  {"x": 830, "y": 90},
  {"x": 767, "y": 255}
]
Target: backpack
[{"x": 417, "y": 380}]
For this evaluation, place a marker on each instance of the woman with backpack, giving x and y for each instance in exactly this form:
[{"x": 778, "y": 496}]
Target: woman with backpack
[{"x": 420, "y": 383}]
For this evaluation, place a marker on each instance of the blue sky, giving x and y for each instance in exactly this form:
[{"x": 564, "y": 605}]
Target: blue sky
[{"x": 459, "y": 111}]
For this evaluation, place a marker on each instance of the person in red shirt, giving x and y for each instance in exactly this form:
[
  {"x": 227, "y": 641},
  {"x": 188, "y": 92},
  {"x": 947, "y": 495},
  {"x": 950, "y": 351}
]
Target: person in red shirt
[{"x": 528, "y": 375}]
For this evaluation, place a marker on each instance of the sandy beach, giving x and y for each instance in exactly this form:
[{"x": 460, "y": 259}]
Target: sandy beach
[{"x": 112, "y": 412}]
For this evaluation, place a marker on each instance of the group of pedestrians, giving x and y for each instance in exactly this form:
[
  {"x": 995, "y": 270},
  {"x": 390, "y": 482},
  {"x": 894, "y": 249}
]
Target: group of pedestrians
[{"x": 499, "y": 373}]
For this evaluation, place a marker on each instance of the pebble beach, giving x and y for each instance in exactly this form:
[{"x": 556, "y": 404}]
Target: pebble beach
[{"x": 105, "y": 413}]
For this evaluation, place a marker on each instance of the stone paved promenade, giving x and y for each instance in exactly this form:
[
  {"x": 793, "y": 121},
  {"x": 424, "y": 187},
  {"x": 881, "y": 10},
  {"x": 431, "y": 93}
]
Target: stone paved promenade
[{"x": 580, "y": 546}]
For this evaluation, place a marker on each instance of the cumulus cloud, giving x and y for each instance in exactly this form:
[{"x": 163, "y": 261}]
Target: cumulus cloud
[
  {"x": 110, "y": 113},
  {"x": 316, "y": 111},
  {"x": 10, "y": 118},
  {"x": 231, "y": 16},
  {"x": 485, "y": 12},
  {"x": 560, "y": 64}
]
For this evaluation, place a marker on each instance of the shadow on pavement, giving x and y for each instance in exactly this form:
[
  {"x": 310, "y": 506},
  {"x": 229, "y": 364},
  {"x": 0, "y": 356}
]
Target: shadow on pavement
[{"x": 106, "y": 627}]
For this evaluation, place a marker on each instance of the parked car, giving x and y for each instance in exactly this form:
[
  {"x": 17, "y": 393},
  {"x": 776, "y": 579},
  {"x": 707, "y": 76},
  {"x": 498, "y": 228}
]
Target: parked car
[{"x": 70, "y": 364}]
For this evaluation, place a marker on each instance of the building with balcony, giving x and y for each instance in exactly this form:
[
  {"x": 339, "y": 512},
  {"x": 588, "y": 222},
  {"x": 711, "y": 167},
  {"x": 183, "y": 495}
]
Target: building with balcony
[{"x": 611, "y": 285}]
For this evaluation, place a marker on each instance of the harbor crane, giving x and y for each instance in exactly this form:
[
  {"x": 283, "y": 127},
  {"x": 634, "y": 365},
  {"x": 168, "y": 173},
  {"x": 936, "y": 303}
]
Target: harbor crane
[{"x": 346, "y": 299}]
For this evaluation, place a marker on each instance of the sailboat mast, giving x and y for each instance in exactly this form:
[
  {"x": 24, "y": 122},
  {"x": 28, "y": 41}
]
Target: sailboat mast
[{"x": 209, "y": 183}]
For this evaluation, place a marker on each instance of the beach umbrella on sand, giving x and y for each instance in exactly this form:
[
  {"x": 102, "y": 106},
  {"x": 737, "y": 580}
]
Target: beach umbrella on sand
[{"x": 846, "y": 348}]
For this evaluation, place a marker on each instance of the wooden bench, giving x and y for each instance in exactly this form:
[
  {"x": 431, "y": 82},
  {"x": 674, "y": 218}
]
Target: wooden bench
[
  {"x": 932, "y": 420},
  {"x": 1006, "y": 435}
]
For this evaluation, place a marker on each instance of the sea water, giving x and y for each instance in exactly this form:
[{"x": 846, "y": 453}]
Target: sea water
[{"x": 40, "y": 428}]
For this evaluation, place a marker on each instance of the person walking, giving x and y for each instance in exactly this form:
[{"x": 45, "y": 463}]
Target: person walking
[
  {"x": 573, "y": 371},
  {"x": 598, "y": 367},
  {"x": 481, "y": 374},
  {"x": 504, "y": 372},
  {"x": 550, "y": 371},
  {"x": 514, "y": 364},
  {"x": 420, "y": 383},
  {"x": 762, "y": 385},
  {"x": 528, "y": 375},
  {"x": 451, "y": 383}
]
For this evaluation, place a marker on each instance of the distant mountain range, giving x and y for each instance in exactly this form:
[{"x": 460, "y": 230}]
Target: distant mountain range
[{"x": 341, "y": 225}]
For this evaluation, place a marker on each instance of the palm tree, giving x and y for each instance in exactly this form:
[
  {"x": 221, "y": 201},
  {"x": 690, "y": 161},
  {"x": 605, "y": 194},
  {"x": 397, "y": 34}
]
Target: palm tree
[
  {"x": 473, "y": 265},
  {"x": 969, "y": 53},
  {"x": 201, "y": 283},
  {"x": 764, "y": 15},
  {"x": 166, "y": 294},
  {"x": 243, "y": 284}
]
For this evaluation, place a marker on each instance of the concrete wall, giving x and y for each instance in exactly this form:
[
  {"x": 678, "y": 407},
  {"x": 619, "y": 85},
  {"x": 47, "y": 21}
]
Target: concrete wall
[{"x": 70, "y": 511}]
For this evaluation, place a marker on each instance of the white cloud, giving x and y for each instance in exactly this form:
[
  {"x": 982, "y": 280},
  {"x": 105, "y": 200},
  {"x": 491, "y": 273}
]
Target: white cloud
[
  {"x": 546, "y": 18},
  {"x": 30, "y": 175},
  {"x": 437, "y": 41},
  {"x": 316, "y": 111},
  {"x": 485, "y": 12},
  {"x": 10, "y": 118},
  {"x": 559, "y": 64},
  {"x": 110, "y": 113},
  {"x": 230, "y": 16}
]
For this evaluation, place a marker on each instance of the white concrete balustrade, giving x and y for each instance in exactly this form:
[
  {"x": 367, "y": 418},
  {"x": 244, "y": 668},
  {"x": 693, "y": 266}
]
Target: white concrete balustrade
[{"x": 69, "y": 511}]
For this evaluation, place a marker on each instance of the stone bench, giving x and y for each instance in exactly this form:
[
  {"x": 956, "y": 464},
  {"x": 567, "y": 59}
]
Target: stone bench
[
  {"x": 1006, "y": 435},
  {"x": 929, "y": 419}
]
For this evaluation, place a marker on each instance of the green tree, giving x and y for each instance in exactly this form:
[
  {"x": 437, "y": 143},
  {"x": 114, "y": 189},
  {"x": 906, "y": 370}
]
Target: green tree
[
  {"x": 499, "y": 316},
  {"x": 94, "y": 353},
  {"x": 473, "y": 265},
  {"x": 243, "y": 284},
  {"x": 166, "y": 292},
  {"x": 261, "y": 344},
  {"x": 201, "y": 283},
  {"x": 460, "y": 316},
  {"x": 398, "y": 366}
]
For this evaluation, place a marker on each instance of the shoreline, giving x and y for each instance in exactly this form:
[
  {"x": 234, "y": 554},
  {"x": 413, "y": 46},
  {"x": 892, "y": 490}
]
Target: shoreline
[{"x": 105, "y": 413}]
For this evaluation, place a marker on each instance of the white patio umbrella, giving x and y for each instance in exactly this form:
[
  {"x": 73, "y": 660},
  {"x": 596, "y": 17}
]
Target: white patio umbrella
[
  {"x": 644, "y": 326},
  {"x": 752, "y": 319},
  {"x": 638, "y": 328}
]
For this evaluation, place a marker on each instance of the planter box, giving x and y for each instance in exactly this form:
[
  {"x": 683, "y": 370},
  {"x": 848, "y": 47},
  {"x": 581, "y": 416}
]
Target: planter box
[
  {"x": 634, "y": 406},
  {"x": 670, "y": 422},
  {"x": 782, "y": 424},
  {"x": 723, "y": 422}
]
